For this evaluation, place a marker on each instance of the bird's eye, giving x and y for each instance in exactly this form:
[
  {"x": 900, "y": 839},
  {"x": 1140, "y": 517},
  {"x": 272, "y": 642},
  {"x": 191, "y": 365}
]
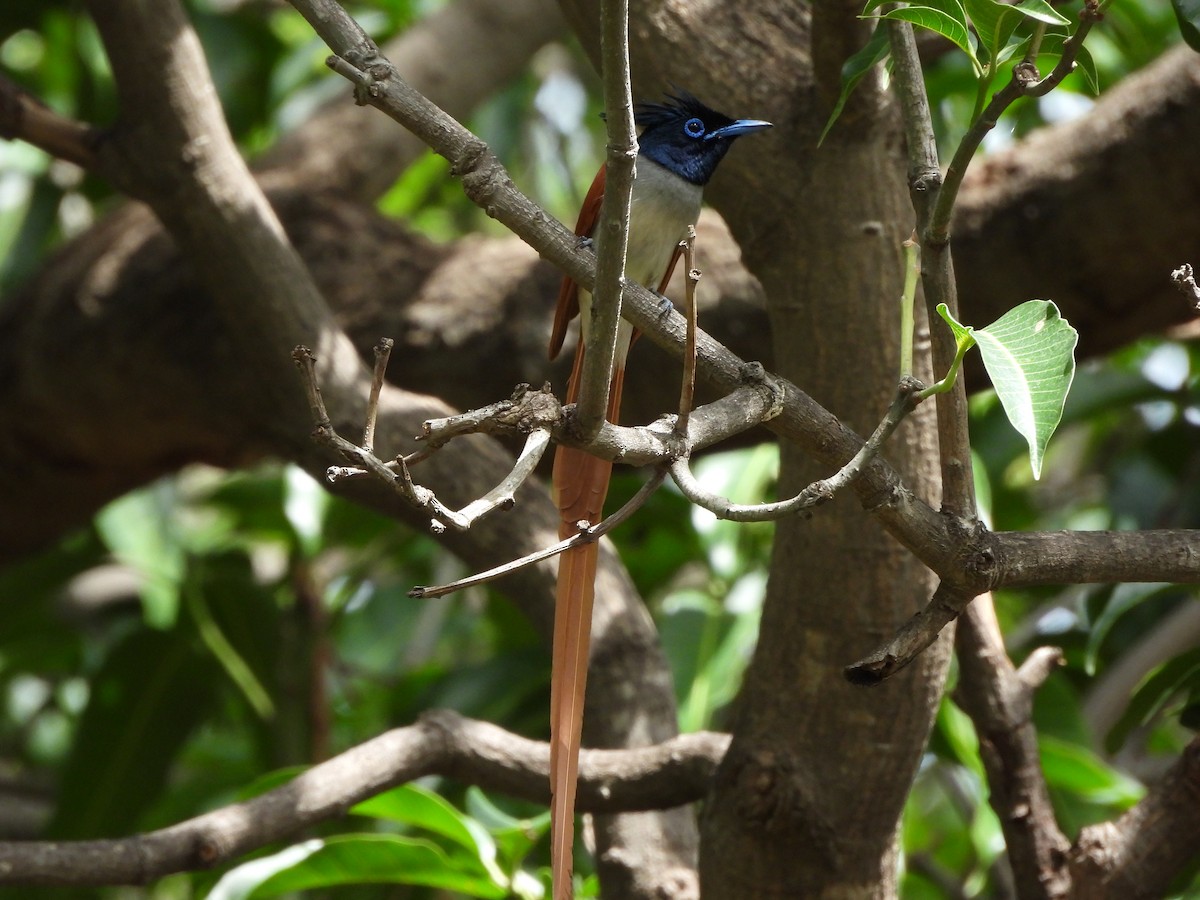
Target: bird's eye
[{"x": 694, "y": 127}]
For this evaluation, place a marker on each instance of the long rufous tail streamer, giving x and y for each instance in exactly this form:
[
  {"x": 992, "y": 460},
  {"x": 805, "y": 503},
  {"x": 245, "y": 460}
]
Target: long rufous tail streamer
[{"x": 580, "y": 486}]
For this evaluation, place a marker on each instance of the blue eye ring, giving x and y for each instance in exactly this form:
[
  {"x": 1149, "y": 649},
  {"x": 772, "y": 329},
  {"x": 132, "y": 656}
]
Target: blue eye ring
[{"x": 694, "y": 127}]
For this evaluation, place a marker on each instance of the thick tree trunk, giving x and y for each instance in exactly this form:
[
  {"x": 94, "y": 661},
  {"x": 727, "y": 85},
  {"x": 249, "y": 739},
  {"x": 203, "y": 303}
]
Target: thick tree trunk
[{"x": 808, "y": 800}]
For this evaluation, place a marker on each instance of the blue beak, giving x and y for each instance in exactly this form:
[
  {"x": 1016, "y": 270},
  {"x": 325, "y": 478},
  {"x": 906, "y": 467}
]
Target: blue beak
[{"x": 737, "y": 129}]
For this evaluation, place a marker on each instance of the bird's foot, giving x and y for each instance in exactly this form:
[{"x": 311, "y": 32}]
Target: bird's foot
[
  {"x": 586, "y": 243},
  {"x": 664, "y": 305}
]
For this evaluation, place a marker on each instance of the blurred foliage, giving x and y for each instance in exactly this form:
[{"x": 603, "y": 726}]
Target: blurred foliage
[{"x": 211, "y": 633}]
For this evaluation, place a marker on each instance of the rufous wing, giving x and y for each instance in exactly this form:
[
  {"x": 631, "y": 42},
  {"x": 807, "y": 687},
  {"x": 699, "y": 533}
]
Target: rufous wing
[{"x": 568, "y": 292}]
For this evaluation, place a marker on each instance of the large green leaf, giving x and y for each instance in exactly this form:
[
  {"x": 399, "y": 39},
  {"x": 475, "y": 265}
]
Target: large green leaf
[
  {"x": 1029, "y": 352},
  {"x": 939, "y": 22},
  {"x": 411, "y": 804},
  {"x": 359, "y": 859},
  {"x": 994, "y": 23},
  {"x": 1072, "y": 767}
]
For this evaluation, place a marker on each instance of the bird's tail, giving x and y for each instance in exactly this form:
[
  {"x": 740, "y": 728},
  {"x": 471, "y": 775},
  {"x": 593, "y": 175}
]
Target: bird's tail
[{"x": 580, "y": 486}]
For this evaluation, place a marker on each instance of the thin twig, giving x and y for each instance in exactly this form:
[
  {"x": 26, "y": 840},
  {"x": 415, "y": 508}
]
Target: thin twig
[
  {"x": 396, "y": 474},
  {"x": 383, "y": 352},
  {"x": 911, "y": 639},
  {"x": 587, "y": 534},
  {"x": 907, "y": 398}
]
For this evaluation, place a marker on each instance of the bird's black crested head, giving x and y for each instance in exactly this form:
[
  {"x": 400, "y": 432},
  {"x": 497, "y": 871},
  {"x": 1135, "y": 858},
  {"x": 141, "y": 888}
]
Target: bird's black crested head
[{"x": 687, "y": 137}]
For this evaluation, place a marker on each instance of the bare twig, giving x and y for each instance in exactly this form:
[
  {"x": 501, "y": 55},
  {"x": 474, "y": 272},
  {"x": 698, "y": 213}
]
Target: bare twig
[
  {"x": 383, "y": 352},
  {"x": 395, "y": 473},
  {"x": 440, "y": 743},
  {"x": 587, "y": 534},
  {"x": 24, "y": 117},
  {"x": 913, "y": 637},
  {"x": 814, "y": 494}
]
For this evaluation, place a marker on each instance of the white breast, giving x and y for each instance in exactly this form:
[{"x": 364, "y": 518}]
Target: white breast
[{"x": 662, "y": 208}]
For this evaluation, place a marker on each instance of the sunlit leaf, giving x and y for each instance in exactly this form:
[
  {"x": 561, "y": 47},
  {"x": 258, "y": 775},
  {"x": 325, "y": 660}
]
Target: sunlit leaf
[
  {"x": 414, "y": 805},
  {"x": 1029, "y": 352},
  {"x": 378, "y": 859},
  {"x": 140, "y": 533},
  {"x": 1074, "y": 768},
  {"x": 939, "y": 22}
]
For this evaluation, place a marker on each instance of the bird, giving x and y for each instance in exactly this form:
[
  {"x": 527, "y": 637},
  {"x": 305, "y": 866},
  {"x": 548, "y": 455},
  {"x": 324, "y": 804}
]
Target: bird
[{"x": 680, "y": 143}]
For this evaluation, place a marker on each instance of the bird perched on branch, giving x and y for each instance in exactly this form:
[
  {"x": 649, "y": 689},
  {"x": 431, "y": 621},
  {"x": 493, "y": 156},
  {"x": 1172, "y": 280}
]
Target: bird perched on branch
[{"x": 680, "y": 145}]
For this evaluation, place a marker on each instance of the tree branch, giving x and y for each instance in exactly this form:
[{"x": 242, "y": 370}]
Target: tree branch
[
  {"x": 1140, "y": 854},
  {"x": 999, "y": 700},
  {"x": 440, "y": 743}
]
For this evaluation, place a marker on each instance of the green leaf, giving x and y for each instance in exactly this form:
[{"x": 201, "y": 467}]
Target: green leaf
[
  {"x": 411, "y": 804},
  {"x": 854, "y": 70},
  {"x": 1040, "y": 11},
  {"x": 139, "y": 531},
  {"x": 939, "y": 22},
  {"x": 1073, "y": 768},
  {"x": 1029, "y": 352},
  {"x": 1153, "y": 693},
  {"x": 994, "y": 23},
  {"x": 364, "y": 859},
  {"x": 1187, "y": 13},
  {"x": 956, "y": 727}
]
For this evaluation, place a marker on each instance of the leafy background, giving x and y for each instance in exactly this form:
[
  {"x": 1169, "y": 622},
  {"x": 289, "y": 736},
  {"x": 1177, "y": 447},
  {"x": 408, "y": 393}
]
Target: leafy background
[{"x": 216, "y": 626}]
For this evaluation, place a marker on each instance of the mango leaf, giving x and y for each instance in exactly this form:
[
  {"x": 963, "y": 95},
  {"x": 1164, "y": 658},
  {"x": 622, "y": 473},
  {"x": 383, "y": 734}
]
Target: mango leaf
[
  {"x": 1040, "y": 11},
  {"x": 360, "y": 859},
  {"x": 1187, "y": 13},
  {"x": 939, "y": 22},
  {"x": 1073, "y": 768},
  {"x": 411, "y": 804},
  {"x": 957, "y": 729},
  {"x": 1152, "y": 694},
  {"x": 994, "y": 23},
  {"x": 1029, "y": 352},
  {"x": 853, "y": 71}
]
